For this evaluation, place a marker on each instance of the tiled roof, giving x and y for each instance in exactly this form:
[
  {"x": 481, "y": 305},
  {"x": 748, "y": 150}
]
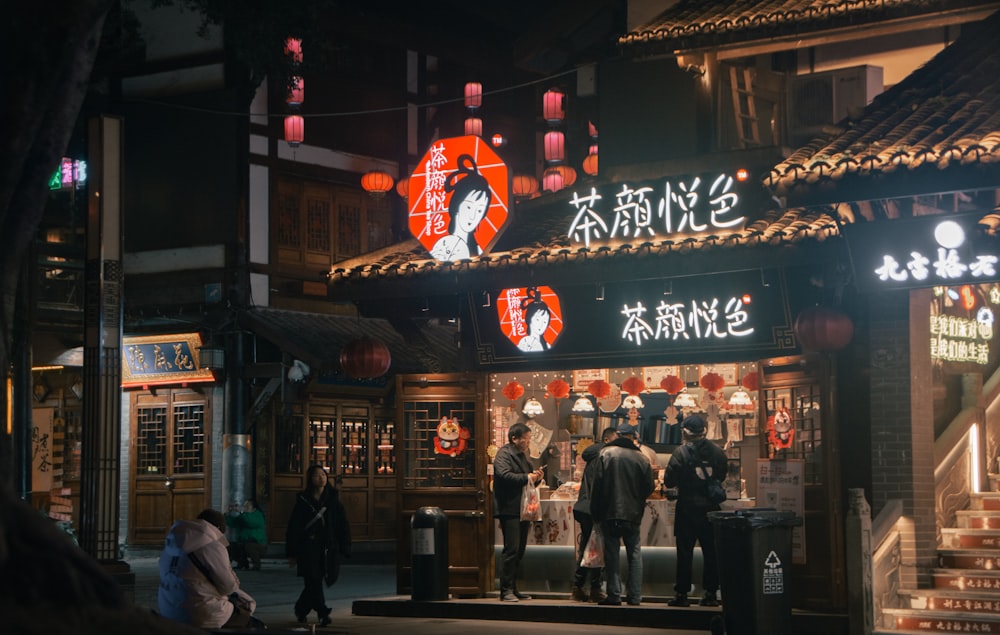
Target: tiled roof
[
  {"x": 692, "y": 24},
  {"x": 317, "y": 339},
  {"x": 943, "y": 116}
]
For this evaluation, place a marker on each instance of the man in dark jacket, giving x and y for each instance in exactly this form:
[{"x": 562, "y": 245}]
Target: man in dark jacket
[
  {"x": 581, "y": 513},
  {"x": 511, "y": 472},
  {"x": 623, "y": 480},
  {"x": 686, "y": 472}
]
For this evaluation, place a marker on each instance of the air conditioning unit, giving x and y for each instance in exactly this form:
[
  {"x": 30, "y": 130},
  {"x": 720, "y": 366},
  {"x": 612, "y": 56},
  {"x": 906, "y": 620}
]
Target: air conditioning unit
[{"x": 821, "y": 99}]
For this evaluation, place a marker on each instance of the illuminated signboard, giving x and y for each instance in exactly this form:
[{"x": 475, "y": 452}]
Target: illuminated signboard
[
  {"x": 706, "y": 317},
  {"x": 683, "y": 206},
  {"x": 946, "y": 249},
  {"x": 69, "y": 174},
  {"x": 962, "y": 323},
  {"x": 162, "y": 359},
  {"x": 530, "y": 317},
  {"x": 458, "y": 202}
]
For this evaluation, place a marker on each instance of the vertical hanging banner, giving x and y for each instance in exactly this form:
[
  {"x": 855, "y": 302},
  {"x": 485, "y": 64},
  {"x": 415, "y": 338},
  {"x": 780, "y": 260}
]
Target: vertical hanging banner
[
  {"x": 530, "y": 317},
  {"x": 459, "y": 197}
]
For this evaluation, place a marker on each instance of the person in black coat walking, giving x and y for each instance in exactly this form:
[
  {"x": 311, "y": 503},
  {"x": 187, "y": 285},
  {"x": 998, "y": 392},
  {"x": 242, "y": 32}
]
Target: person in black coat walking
[
  {"x": 318, "y": 535},
  {"x": 686, "y": 472}
]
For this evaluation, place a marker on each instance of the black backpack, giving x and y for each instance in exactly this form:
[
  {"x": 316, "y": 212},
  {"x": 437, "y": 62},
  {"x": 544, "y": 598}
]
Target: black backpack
[{"x": 714, "y": 491}]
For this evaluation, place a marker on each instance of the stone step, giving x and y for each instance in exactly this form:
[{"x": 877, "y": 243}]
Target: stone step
[
  {"x": 966, "y": 580},
  {"x": 979, "y": 519},
  {"x": 955, "y": 601},
  {"x": 985, "y": 500},
  {"x": 955, "y": 538},
  {"x": 941, "y": 621},
  {"x": 976, "y": 559}
]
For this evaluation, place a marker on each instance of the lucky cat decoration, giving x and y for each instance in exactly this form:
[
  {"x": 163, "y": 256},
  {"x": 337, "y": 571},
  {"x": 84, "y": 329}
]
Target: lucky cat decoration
[
  {"x": 780, "y": 431},
  {"x": 451, "y": 438}
]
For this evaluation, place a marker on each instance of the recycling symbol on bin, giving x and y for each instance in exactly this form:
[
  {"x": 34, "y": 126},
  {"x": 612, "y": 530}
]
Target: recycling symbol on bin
[{"x": 772, "y": 561}]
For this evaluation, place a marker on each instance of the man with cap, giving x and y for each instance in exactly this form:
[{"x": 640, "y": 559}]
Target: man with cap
[
  {"x": 690, "y": 464},
  {"x": 623, "y": 480}
]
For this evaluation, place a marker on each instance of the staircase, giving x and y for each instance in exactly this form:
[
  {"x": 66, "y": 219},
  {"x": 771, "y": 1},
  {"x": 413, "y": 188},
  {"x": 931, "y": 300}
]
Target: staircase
[{"x": 966, "y": 592}]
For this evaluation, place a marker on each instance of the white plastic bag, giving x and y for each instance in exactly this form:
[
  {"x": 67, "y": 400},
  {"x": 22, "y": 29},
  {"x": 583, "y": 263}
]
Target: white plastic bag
[
  {"x": 593, "y": 552},
  {"x": 531, "y": 506}
]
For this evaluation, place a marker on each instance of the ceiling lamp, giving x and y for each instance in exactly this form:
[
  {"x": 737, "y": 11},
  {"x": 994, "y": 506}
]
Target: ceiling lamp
[
  {"x": 590, "y": 164},
  {"x": 473, "y": 95},
  {"x": 532, "y": 408},
  {"x": 296, "y": 92},
  {"x": 524, "y": 185},
  {"x": 474, "y": 126},
  {"x": 295, "y": 130},
  {"x": 583, "y": 404},
  {"x": 377, "y": 182},
  {"x": 685, "y": 400},
  {"x": 553, "y": 105},
  {"x": 632, "y": 401},
  {"x": 555, "y": 146},
  {"x": 740, "y": 398},
  {"x": 403, "y": 187}
]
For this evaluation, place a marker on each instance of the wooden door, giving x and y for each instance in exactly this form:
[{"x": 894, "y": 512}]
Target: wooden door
[
  {"x": 802, "y": 388},
  {"x": 171, "y": 461},
  {"x": 455, "y": 483}
]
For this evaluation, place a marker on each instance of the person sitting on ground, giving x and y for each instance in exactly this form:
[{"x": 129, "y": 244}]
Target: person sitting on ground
[
  {"x": 197, "y": 583},
  {"x": 249, "y": 536}
]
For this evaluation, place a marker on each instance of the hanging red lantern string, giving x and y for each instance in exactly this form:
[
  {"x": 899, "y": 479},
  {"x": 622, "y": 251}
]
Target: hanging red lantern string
[
  {"x": 558, "y": 389},
  {"x": 672, "y": 384},
  {"x": 633, "y": 386},
  {"x": 750, "y": 381},
  {"x": 712, "y": 382},
  {"x": 513, "y": 390},
  {"x": 599, "y": 388}
]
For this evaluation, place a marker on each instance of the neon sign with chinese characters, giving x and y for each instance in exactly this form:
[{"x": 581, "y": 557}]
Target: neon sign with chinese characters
[
  {"x": 703, "y": 318},
  {"x": 70, "y": 174},
  {"x": 685, "y": 206},
  {"x": 962, "y": 323}
]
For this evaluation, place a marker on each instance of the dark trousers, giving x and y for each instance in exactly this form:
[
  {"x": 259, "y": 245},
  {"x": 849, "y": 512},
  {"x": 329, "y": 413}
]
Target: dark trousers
[
  {"x": 690, "y": 526},
  {"x": 312, "y": 598},
  {"x": 580, "y": 578},
  {"x": 515, "y": 539}
]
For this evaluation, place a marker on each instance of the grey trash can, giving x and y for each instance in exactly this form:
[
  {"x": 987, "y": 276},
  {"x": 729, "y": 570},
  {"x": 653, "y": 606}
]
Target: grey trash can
[
  {"x": 754, "y": 549},
  {"x": 429, "y": 554}
]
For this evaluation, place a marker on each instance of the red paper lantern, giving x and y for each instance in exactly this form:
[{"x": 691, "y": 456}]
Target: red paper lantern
[
  {"x": 750, "y": 381},
  {"x": 295, "y": 130},
  {"x": 590, "y": 164},
  {"x": 820, "y": 328},
  {"x": 513, "y": 390},
  {"x": 553, "y": 106},
  {"x": 633, "y": 386},
  {"x": 365, "y": 358},
  {"x": 524, "y": 185},
  {"x": 599, "y": 388},
  {"x": 591, "y": 129},
  {"x": 473, "y": 95},
  {"x": 403, "y": 187},
  {"x": 296, "y": 92},
  {"x": 672, "y": 384},
  {"x": 293, "y": 47},
  {"x": 474, "y": 126},
  {"x": 377, "y": 182},
  {"x": 712, "y": 382},
  {"x": 552, "y": 180},
  {"x": 554, "y": 144},
  {"x": 558, "y": 388},
  {"x": 568, "y": 174}
]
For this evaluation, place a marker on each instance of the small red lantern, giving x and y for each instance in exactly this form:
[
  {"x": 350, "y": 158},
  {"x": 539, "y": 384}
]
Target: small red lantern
[
  {"x": 365, "y": 358},
  {"x": 558, "y": 388},
  {"x": 599, "y": 388},
  {"x": 474, "y": 126},
  {"x": 295, "y": 130},
  {"x": 820, "y": 328},
  {"x": 293, "y": 47},
  {"x": 403, "y": 187},
  {"x": 590, "y": 164},
  {"x": 552, "y": 180},
  {"x": 712, "y": 382},
  {"x": 473, "y": 95},
  {"x": 591, "y": 129},
  {"x": 750, "y": 381},
  {"x": 296, "y": 92},
  {"x": 553, "y": 106},
  {"x": 377, "y": 182},
  {"x": 513, "y": 390},
  {"x": 555, "y": 146},
  {"x": 672, "y": 384},
  {"x": 568, "y": 174},
  {"x": 633, "y": 386},
  {"x": 524, "y": 185}
]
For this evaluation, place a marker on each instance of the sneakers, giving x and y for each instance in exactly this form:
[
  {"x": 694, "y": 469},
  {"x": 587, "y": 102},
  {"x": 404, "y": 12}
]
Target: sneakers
[
  {"x": 681, "y": 599},
  {"x": 597, "y": 595},
  {"x": 709, "y": 599},
  {"x": 508, "y": 596},
  {"x": 579, "y": 595},
  {"x": 521, "y": 596}
]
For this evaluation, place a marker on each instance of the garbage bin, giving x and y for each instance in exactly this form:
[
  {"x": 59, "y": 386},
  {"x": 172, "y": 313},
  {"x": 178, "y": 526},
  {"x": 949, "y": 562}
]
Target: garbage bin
[
  {"x": 754, "y": 549},
  {"x": 429, "y": 554}
]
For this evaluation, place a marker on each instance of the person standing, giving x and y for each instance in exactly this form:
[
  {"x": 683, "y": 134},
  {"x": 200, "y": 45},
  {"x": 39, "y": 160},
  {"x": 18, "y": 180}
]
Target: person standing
[
  {"x": 318, "y": 535},
  {"x": 581, "y": 513},
  {"x": 686, "y": 472},
  {"x": 511, "y": 472},
  {"x": 623, "y": 480},
  {"x": 197, "y": 582},
  {"x": 249, "y": 536}
]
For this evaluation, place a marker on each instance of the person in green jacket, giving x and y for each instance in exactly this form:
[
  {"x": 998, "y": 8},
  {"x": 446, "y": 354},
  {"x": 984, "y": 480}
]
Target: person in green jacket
[{"x": 249, "y": 537}]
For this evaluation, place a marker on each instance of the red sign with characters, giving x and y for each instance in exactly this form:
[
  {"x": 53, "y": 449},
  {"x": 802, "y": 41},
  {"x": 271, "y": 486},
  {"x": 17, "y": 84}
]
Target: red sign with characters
[
  {"x": 459, "y": 198},
  {"x": 530, "y": 317}
]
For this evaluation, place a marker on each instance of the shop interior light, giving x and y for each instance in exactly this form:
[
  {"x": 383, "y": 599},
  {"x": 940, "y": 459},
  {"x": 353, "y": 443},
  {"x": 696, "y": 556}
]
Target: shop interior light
[
  {"x": 532, "y": 408},
  {"x": 740, "y": 398},
  {"x": 685, "y": 400},
  {"x": 583, "y": 404},
  {"x": 632, "y": 401}
]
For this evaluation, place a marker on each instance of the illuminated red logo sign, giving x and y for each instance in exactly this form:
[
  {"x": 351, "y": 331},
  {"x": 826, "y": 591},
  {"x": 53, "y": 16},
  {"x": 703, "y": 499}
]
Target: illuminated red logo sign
[
  {"x": 530, "y": 317},
  {"x": 459, "y": 198}
]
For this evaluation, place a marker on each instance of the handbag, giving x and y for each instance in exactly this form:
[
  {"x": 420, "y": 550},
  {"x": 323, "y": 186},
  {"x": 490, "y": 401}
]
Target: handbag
[
  {"x": 593, "y": 551},
  {"x": 531, "y": 508}
]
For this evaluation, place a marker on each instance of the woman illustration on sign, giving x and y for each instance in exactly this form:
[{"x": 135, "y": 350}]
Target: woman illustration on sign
[
  {"x": 470, "y": 200},
  {"x": 537, "y": 315}
]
